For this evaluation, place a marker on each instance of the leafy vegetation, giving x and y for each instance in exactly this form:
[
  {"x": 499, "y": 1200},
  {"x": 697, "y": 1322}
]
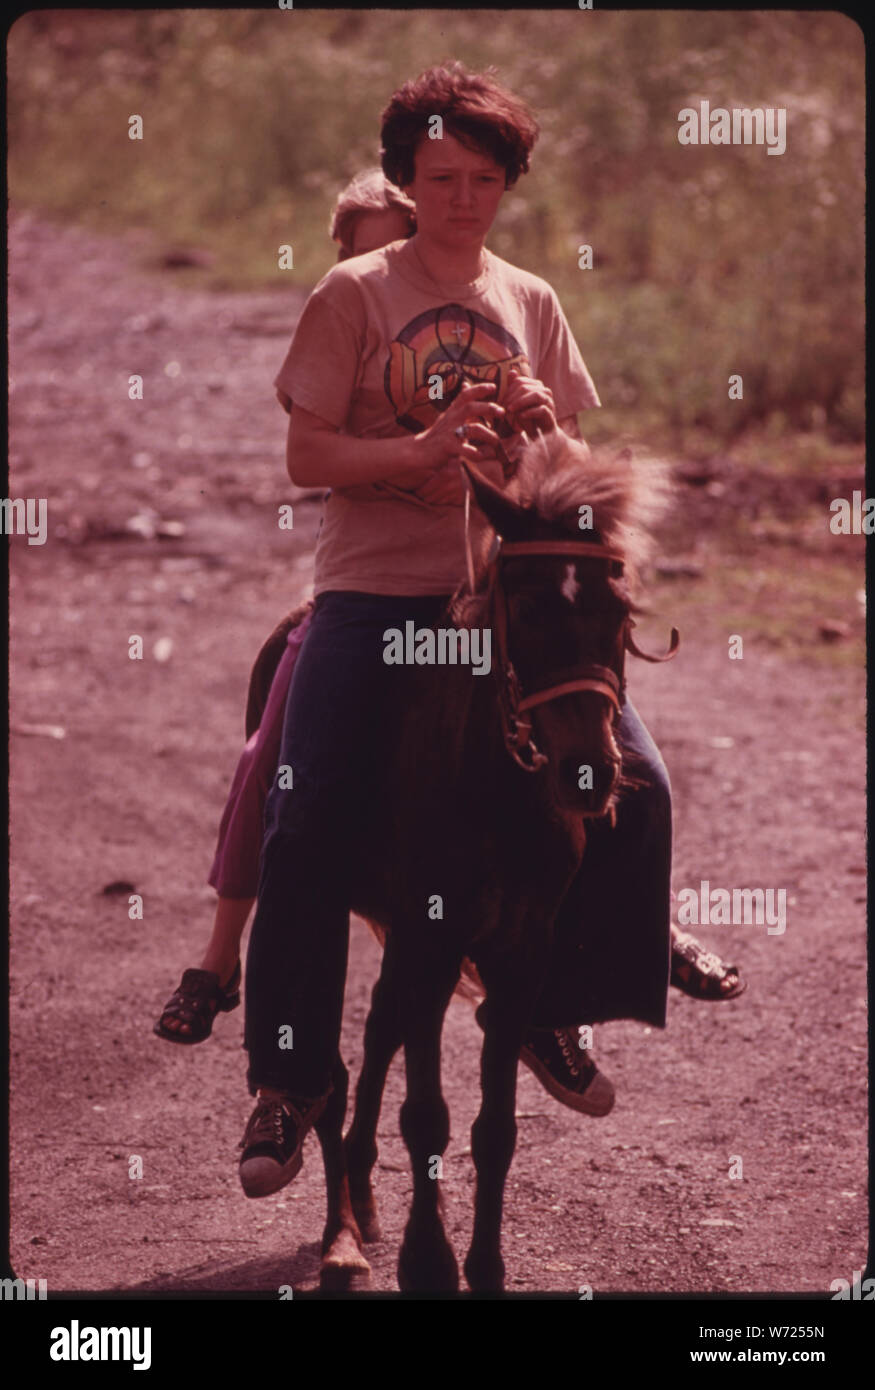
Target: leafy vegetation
[{"x": 708, "y": 261}]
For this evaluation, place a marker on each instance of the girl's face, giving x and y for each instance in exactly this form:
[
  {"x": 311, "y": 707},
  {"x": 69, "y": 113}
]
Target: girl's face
[
  {"x": 457, "y": 192},
  {"x": 371, "y": 230}
]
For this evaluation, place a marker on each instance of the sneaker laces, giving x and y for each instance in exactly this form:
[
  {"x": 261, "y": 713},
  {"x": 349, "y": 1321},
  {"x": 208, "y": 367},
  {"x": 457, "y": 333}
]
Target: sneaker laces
[
  {"x": 266, "y": 1123},
  {"x": 566, "y": 1041}
]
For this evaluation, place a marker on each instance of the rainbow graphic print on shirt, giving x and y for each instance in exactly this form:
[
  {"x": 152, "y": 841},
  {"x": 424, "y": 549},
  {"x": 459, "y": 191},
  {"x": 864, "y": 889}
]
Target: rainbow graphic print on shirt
[{"x": 456, "y": 344}]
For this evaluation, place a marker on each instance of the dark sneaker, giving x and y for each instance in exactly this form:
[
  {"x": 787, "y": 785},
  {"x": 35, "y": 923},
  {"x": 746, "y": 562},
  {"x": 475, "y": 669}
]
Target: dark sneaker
[
  {"x": 566, "y": 1071},
  {"x": 274, "y": 1140}
]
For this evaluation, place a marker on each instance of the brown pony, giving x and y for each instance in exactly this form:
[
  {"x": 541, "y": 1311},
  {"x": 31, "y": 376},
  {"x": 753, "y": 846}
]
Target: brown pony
[{"x": 483, "y": 811}]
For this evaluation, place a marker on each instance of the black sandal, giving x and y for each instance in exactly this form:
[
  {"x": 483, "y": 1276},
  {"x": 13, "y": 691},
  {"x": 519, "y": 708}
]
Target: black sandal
[
  {"x": 699, "y": 972},
  {"x": 197, "y": 1001}
]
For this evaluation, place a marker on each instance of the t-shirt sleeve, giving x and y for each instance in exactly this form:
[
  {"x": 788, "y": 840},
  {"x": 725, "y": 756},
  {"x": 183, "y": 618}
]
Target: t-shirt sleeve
[
  {"x": 561, "y": 366},
  {"x": 321, "y": 367}
]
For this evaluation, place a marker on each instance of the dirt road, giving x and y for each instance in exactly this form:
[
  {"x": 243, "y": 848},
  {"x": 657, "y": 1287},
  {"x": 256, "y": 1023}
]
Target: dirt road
[{"x": 767, "y": 762}]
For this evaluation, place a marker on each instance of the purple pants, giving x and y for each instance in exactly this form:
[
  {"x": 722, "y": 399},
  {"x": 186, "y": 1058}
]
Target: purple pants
[{"x": 241, "y": 833}]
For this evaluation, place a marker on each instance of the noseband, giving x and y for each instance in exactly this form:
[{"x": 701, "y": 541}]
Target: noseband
[{"x": 610, "y": 681}]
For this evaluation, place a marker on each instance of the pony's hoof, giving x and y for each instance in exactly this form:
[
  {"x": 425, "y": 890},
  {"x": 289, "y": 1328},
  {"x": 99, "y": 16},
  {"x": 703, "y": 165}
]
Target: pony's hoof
[
  {"x": 344, "y": 1267},
  {"x": 432, "y": 1271},
  {"x": 484, "y": 1276}
]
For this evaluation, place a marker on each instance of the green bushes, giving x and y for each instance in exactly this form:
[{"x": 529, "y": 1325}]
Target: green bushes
[{"x": 709, "y": 261}]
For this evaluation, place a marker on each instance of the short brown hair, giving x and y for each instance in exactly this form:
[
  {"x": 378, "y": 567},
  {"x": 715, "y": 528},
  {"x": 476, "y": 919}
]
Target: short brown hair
[
  {"x": 369, "y": 191},
  {"x": 476, "y": 110}
]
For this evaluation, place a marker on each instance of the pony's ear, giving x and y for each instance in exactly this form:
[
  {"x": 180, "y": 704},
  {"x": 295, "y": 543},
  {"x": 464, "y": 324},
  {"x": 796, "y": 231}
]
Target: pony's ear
[{"x": 506, "y": 517}]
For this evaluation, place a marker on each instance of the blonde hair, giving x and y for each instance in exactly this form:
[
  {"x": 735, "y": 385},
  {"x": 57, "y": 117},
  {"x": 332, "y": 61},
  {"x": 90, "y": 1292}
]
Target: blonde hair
[{"x": 369, "y": 191}]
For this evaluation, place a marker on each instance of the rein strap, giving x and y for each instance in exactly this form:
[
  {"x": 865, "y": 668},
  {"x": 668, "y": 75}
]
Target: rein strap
[{"x": 585, "y": 548}]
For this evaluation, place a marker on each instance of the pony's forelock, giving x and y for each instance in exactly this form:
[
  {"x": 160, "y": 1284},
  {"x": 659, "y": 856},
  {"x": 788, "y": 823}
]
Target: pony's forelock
[{"x": 628, "y": 492}]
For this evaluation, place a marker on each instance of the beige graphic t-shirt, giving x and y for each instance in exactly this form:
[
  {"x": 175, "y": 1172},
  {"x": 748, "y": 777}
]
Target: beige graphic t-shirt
[{"x": 373, "y": 332}]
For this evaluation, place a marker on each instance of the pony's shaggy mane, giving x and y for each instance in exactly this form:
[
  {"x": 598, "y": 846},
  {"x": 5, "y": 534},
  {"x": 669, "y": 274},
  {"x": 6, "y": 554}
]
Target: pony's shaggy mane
[{"x": 628, "y": 494}]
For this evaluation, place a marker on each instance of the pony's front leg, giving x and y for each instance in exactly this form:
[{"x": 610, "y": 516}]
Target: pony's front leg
[
  {"x": 382, "y": 1041},
  {"x": 493, "y": 1137},
  {"x": 343, "y": 1264},
  {"x": 426, "y": 1262}
]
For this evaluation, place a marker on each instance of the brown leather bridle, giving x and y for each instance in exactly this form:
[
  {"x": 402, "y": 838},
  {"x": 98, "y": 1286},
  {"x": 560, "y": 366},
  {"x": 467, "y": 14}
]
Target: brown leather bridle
[{"x": 610, "y": 681}]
